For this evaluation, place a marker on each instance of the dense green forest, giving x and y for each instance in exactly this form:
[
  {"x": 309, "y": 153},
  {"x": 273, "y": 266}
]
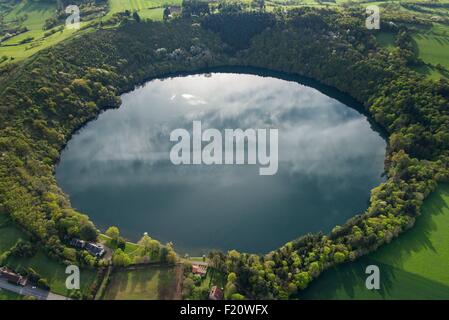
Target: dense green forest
[{"x": 47, "y": 97}]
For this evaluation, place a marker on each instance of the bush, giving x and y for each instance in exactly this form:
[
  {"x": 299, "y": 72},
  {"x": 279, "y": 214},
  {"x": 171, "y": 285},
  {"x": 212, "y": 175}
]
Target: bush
[
  {"x": 43, "y": 284},
  {"x": 23, "y": 249}
]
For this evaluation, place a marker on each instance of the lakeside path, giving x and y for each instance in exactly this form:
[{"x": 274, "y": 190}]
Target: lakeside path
[{"x": 29, "y": 290}]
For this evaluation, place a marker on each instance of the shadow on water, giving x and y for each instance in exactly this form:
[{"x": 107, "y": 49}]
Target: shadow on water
[{"x": 347, "y": 281}]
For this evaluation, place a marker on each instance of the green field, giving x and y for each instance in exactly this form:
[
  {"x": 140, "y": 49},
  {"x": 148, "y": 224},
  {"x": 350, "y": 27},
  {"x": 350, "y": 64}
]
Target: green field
[
  {"x": 147, "y": 9},
  {"x": 414, "y": 266},
  {"x": 433, "y": 48},
  {"x": 147, "y": 283},
  {"x": 53, "y": 271},
  {"x": 35, "y": 14}
]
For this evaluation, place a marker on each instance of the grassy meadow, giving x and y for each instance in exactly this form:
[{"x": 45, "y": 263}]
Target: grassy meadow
[
  {"x": 433, "y": 45},
  {"x": 413, "y": 266},
  {"x": 147, "y": 9},
  {"x": 53, "y": 271},
  {"x": 34, "y": 15},
  {"x": 144, "y": 283}
]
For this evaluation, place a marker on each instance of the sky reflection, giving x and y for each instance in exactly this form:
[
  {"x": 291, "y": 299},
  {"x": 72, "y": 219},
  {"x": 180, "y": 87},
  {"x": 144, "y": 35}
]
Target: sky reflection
[{"x": 117, "y": 168}]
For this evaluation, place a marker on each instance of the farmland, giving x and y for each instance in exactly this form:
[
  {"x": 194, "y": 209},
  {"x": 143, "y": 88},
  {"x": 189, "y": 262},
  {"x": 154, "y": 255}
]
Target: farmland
[
  {"x": 144, "y": 283},
  {"x": 147, "y": 9},
  {"x": 7, "y": 295},
  {"x": 433, "y": 45},
  {"x": 33, "y": 16}
]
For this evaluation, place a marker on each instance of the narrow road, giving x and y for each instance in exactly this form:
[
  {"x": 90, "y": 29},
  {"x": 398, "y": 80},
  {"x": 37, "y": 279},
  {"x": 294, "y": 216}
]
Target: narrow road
[{"x": 28, "y": 290}]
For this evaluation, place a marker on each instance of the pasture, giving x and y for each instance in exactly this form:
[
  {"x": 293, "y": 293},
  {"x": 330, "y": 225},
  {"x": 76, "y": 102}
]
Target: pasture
[
  {"x": 147, "y": 9},
  {"x": 144, "y": 283},
  {"x": 432, "y": 47},
  {"x": 33, "y": 16}
]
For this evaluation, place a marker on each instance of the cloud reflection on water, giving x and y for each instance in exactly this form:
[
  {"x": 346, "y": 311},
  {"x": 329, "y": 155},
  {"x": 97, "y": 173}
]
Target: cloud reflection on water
[{"x": 329, "y": 160}]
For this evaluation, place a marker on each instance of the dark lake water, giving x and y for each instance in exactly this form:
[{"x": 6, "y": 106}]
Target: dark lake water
[{"x": 117, "y": 169}]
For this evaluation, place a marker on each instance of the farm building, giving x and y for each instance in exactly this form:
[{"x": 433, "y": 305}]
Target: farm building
[
  {"x": 216, "y": 293},
  {"x": 95, "y": 249},
  {"x": 12, "y": 277},
  {"x": 199, "y": 269}
]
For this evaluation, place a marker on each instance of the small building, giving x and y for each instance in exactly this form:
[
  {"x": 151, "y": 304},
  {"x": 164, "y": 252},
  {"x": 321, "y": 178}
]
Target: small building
[
  {"x": 77, "y": 243},
  {"x": 216, "y": 293},
  {"x": 199, "y": 269},
  {"x": 13, "y": 278},
  {"x": 95, "y": 249}
]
